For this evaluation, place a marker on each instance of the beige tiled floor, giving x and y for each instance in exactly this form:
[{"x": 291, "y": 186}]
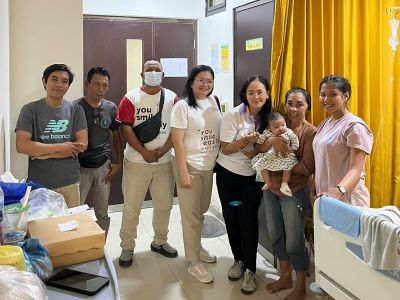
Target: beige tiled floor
[{"x": 153, "y": 276}]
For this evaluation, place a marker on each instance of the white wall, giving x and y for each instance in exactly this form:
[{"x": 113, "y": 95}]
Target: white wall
[
  {"x": 4, "y": 88},
  {"x": 174, "y": 9},
  {"x": 42, "y": 32},
  {"x": 218, "y": 29}
]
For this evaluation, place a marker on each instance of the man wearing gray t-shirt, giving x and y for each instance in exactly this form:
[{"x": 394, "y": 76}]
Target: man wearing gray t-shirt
[{"x": 53, "y": 131}]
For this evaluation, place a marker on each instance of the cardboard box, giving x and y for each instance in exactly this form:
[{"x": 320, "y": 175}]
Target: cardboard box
[{"x": 82, "y": 244}]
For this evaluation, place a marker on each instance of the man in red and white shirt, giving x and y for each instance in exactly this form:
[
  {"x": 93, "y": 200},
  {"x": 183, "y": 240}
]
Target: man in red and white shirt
[{"x": 146, "y": 166}]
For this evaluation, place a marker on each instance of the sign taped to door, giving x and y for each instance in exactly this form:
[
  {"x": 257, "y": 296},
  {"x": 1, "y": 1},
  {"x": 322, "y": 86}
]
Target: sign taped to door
[
  {"x": 175, "y": 67},
  {"x": 254, "y": 44}
]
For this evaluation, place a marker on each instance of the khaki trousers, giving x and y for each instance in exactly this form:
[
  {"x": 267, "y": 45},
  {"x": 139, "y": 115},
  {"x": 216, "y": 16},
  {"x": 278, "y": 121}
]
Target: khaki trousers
[
  {"x": 93, "y": 178},
  {"x": 70, "y": 193},
  {"x": 137, "y": 178},
  {"x": 193, "y": 204}
]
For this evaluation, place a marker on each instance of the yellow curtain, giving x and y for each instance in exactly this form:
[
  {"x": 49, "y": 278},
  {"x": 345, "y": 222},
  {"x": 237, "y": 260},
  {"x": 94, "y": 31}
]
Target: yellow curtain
[{"x": 314, "y": 38}]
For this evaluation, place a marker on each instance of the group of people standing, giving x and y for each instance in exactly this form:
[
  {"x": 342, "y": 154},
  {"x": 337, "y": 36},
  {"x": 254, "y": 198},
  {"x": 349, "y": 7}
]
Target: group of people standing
[{"x": 257, "y": 155}]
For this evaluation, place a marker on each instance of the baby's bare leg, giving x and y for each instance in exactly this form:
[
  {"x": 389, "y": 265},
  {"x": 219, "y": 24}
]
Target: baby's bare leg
[
  {"x": 285, "y": 189},
  {"x": 267, "y": 179},
  {"x": 286, "y": 175}
]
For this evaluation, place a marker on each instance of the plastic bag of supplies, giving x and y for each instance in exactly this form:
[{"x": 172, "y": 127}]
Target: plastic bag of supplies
[
  {"x": 17, "y": 285},
  {"x": 37, "y": 258}
]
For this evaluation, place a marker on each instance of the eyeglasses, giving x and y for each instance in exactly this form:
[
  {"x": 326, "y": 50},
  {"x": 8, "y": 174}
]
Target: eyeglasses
[
  {"x": 204, "y": 81},
  {"x": 255, "y": 94}
]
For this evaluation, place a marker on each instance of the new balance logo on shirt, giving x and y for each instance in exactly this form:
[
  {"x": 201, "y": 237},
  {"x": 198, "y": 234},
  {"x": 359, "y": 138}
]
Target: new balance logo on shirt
[
  {"x": 56, "y": 127},
  {"x": 54, "y": 130}
]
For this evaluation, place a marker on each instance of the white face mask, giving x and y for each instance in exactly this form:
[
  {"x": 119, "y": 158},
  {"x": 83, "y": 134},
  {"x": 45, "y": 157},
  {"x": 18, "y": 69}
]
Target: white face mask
[{"x": 153, "y": 78}]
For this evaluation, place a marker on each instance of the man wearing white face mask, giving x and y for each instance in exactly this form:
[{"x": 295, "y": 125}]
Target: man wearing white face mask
[{"x": 146, "y": 165}]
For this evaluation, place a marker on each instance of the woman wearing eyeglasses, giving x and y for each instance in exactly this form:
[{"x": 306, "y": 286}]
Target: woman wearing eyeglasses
[
  {"x": 195, "y": 122},
  {"x": 238, "y": 190}
]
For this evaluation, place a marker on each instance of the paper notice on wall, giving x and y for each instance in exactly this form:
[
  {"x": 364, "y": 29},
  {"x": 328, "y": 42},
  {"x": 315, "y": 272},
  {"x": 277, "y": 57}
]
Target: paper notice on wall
[
  {"x": 225, "y": 67},
  {"x": 175, "y": 67},
  {"x": 215, "y": 57},
  {"x": 254, "y": 44}
]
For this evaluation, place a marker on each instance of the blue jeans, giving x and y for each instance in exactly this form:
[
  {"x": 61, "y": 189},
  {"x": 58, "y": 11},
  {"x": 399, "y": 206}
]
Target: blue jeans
[{"x": 285, "y": 225}]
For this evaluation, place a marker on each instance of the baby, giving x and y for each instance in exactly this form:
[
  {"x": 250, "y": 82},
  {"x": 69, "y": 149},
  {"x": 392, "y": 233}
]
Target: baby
[{"x": 268, "y": 161}]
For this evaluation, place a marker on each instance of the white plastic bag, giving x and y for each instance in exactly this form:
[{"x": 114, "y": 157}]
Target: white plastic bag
[
  {"x": 17, "y": 285},
  {"x": 45, "y": 203}
]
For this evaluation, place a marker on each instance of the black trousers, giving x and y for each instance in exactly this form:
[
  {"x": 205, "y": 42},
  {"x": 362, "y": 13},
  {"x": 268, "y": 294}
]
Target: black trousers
[{"x": 241, "y": 220}]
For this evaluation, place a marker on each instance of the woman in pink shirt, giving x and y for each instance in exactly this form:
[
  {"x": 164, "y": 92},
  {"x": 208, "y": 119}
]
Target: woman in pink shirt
[{"x": 340, "y": 146}]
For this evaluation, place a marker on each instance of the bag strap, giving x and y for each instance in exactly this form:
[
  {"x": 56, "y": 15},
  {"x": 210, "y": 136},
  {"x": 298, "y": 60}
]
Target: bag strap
[
  {"x": 219, "y": 104},
  {"x": 162, "y": 97}
]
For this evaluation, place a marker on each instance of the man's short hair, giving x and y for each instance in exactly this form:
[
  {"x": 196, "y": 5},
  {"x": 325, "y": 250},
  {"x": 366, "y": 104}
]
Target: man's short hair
[
  {"x": 58, "y": 67},
  {"x": 97, "y": 70},
  {"x": 150, "y": 60}
]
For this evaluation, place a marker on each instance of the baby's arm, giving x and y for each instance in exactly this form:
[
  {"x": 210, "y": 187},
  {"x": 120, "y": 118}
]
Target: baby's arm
[
  {"x": 293, "y": 140},
  {"x": 264, "y": 136}
]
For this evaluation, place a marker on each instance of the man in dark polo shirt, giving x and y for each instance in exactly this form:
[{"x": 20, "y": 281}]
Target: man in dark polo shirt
[{"x": 103, "y": 158}]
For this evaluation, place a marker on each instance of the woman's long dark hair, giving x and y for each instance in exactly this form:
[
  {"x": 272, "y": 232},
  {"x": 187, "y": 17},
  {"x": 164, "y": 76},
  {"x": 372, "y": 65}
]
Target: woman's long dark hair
[
  {"x": 262, "y": 117},
  {"x": 188, "y": 92}
]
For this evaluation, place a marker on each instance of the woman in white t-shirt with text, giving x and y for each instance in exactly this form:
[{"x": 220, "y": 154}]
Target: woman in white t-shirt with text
[
  {"x": 238, "y": 190},
  {"x": 195, "y": 122}
]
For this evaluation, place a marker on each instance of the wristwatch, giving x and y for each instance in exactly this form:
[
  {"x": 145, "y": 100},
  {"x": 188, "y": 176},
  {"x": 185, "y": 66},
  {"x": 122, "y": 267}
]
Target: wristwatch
[{"x": 341, "y": 189}]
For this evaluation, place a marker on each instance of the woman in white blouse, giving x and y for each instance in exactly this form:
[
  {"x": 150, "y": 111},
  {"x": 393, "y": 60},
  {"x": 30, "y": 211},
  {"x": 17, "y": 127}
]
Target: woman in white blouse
[
  {"x": 238, "y": 190},
  {"x": 195, "y": 123}
]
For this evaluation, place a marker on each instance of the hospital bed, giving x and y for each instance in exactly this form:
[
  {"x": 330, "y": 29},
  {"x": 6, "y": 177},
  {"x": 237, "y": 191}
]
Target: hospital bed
[{"x": 339, "y": 265}]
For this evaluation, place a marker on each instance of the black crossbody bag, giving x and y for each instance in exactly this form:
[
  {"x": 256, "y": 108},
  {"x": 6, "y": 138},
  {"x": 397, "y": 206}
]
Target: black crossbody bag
[{"x": 150, "y": 129}]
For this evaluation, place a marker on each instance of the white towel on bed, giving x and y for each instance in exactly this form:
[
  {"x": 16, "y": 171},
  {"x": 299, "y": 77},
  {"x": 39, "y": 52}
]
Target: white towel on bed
[{"x": 381, "y": 238}]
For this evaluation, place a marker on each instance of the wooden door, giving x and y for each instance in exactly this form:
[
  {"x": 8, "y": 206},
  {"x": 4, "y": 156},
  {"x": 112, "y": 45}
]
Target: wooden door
[
  {"x": 105, "y": 44},
  {"x": 252, "y": 42},
  {"x": 175, "y": 40}
]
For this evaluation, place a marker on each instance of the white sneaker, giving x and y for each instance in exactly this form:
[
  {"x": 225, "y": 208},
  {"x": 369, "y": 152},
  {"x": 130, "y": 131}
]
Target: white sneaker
[
  {"x": 200, "y": 272},
  {"x": 249, "y": 283},
  {"x": 206, "y": 257},
  {"x": 236, "y": 271}
]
